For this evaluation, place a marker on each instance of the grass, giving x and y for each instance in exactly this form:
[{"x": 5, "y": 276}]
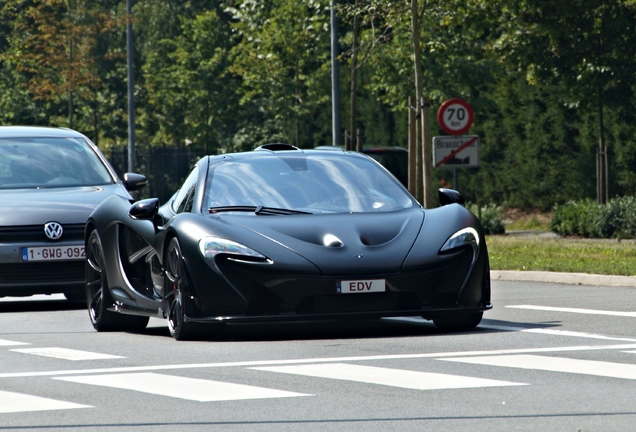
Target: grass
[
  {"x": 515, "y": 220},
  {"x": 609, "y": 257}
]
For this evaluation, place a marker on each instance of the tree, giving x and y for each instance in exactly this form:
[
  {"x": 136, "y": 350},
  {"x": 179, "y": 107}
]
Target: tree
[
  {"x": 424, "y": 48},
  {"x": 53, "y": 48},
  {"x": 189, "y": 96},
  {"x": 281, "y": 56},
  {"x": 588, "y": 45}
]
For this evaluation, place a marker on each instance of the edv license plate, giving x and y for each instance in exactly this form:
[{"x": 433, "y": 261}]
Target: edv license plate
[
  {"x": 53, "y": 253},
  {"x": 361, "y": 286}
]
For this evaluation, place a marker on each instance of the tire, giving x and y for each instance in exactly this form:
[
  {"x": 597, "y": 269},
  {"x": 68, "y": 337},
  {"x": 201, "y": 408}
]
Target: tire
[
  {"x": 457, "y": 321},
  {"x": 98, "y": 298},
  {"x": 175, "y": 295}
]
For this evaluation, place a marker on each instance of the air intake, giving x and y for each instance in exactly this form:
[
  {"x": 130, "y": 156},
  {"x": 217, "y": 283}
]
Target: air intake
[{"x": 277, "y": 147}]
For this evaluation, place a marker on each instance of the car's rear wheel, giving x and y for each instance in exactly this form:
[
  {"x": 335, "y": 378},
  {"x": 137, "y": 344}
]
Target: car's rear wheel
[
  {"x": 176, "y": 298},
  {"x": 98, "y": 297},
  {"x": 456, "y": 321}
]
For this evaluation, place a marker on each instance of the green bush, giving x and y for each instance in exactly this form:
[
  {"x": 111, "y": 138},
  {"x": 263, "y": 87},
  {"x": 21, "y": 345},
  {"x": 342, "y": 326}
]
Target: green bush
[
  {"x": 491, "y": 217},
  {"x": 587, "y": 218}
]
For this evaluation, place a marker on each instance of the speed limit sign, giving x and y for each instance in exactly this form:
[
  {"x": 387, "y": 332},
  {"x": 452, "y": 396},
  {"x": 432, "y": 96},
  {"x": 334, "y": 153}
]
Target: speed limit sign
[{"x": 455, "y": 116}]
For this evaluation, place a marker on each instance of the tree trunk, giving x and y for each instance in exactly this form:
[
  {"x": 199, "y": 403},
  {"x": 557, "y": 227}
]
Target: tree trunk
[
  {"x": 412, "y": 146},
  {"x": 602, "y": 164}
]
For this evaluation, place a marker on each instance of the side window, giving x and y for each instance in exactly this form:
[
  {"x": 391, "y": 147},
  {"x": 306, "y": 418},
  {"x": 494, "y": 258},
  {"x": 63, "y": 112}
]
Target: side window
[{"x": 185, "y": 197}]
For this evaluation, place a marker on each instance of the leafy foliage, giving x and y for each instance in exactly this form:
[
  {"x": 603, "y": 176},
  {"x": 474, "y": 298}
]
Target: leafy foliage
[
  {"x": 490, "y": 216},
  {"x": 54, "y": 47},
  {"x": 587, "y": 218},
  {"x": 546, "y": 80}
]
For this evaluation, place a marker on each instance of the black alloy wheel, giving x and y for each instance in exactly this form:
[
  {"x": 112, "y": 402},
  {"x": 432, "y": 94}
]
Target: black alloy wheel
[{"x": 175, "y": 282}]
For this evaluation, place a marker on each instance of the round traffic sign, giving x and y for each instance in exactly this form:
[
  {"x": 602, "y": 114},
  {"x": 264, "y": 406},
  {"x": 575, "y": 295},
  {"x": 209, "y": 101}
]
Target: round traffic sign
[{"x": 455, "y": 116}]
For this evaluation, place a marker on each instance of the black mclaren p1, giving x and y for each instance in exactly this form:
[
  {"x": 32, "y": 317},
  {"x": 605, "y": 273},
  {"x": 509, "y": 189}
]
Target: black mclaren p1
[{"x": 281, "y": 233}]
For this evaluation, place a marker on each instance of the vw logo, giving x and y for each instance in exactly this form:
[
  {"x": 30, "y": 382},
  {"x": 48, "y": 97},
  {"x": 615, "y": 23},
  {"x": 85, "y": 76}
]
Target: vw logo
[{"x": 53, "y": 230}]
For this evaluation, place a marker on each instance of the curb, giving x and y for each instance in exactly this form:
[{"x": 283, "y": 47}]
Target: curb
[{"x": 564, "y": 278}]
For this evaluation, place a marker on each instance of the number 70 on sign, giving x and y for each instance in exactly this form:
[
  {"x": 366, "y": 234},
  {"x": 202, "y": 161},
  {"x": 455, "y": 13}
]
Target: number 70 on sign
[{"x": 455, "y": 116}]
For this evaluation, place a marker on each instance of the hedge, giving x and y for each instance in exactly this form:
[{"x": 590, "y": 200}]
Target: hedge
[{"x": 587, "y": 218}]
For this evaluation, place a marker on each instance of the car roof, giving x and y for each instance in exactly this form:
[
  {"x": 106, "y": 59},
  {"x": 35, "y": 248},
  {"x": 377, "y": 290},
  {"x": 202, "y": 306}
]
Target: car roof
[
  {"x": 37, "y": 131},
  {"x": 277, "y": 150}
]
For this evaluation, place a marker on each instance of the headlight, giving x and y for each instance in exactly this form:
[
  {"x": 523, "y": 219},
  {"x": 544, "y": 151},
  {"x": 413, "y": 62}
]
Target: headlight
[
  {"x": 210, "y": 247},
  {"x": 463, "y": 237}
]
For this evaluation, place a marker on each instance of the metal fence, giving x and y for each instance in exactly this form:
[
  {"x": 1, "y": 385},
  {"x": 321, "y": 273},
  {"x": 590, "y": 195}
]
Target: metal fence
[{"x": 165, "y": 168}]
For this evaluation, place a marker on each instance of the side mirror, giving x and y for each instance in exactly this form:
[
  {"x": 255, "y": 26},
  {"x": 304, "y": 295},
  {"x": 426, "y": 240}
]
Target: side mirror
[
  {"x": 133, "y": 181},
  {"x": 450, "y": 196},
  {"x": 145, "y": 209}
]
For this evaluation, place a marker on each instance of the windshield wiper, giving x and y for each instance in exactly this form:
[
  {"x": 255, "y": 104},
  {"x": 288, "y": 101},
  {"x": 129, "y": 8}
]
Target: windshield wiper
[
  {"x": 259, "y": 210},
  {"x": 268, "y": 211},
  {"x": 232, "y": 208}
]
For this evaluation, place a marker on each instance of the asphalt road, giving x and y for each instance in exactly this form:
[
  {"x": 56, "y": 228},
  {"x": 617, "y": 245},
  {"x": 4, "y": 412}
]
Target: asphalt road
[{"x": 553, "y": 357}]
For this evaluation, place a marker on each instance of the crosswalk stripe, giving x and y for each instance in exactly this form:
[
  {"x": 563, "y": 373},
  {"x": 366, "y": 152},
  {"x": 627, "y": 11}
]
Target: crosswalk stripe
[
  {"x": 575, "y": 310},
  {"x": 388, "y": 377},
  {"x": 180, "y": 387},
  {"x": 17, "y": 402},
  {"x": 4, "y": 342},
  {"x": 66, "y": 354},
  {"x": 554, "y": 364}
]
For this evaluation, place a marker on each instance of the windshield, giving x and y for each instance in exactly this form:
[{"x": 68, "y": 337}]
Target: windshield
[
  {"x": 50, "y": 162},
  {"x": 310, "y": 182}
]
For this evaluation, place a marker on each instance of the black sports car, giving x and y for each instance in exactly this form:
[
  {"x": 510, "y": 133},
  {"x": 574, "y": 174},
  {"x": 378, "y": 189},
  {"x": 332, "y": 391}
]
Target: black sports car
[
  {"x": 50, "y": 181},
  {"x": 281, "y": 233}
]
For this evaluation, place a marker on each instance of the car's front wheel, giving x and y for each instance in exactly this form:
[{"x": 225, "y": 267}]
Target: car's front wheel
[
  {"x": 98, "y": 296},
  {"x": 176, "y": 297}
]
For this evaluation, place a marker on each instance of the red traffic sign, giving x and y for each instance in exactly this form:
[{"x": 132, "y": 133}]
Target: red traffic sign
[{"x": 455, "y": 116}]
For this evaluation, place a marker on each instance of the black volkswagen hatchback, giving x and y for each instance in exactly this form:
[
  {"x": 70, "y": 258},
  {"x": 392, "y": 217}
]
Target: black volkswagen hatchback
[{"x": 51, "y": 179}]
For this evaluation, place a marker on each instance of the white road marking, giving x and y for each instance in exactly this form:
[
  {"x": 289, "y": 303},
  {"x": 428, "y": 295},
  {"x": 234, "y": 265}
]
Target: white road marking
[
  {"x": 555, "y": 364},
  {"x": 258, "y": 363},
  {"x": 183, "y": 388},
  {"x": 4, "y": 342},
  {"x": 575, "y": 310},
  {"x": 16, "y": 402},
  {"x": 36, "y": 297},
  {"x": 388, "y": 377},
  {"x": 67, "y": 354},
  {"x": 553, "y": 332}
]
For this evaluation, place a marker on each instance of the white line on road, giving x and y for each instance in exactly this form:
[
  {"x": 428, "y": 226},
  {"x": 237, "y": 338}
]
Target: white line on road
[
  {"x": 33, "y": 298},
  {"x": 555, "y": 364},
  {"x": 388, "y": 377},
  {"x": 4, "y": 342},
  {"x": 553, "y": 332},
  {"x": 259, "y": 363},
  {"x": 575, "y": 310},
  {"x": 67, "y": 354},
  {"x": 16, "y": 402},
  {"x": 183, "y": 388}
]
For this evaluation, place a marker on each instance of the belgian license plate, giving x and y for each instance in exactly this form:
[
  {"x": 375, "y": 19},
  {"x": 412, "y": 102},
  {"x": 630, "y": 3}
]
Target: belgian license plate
[
  {"x": 53, "y": 253},
  {"x": 361, "y": 286}
]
